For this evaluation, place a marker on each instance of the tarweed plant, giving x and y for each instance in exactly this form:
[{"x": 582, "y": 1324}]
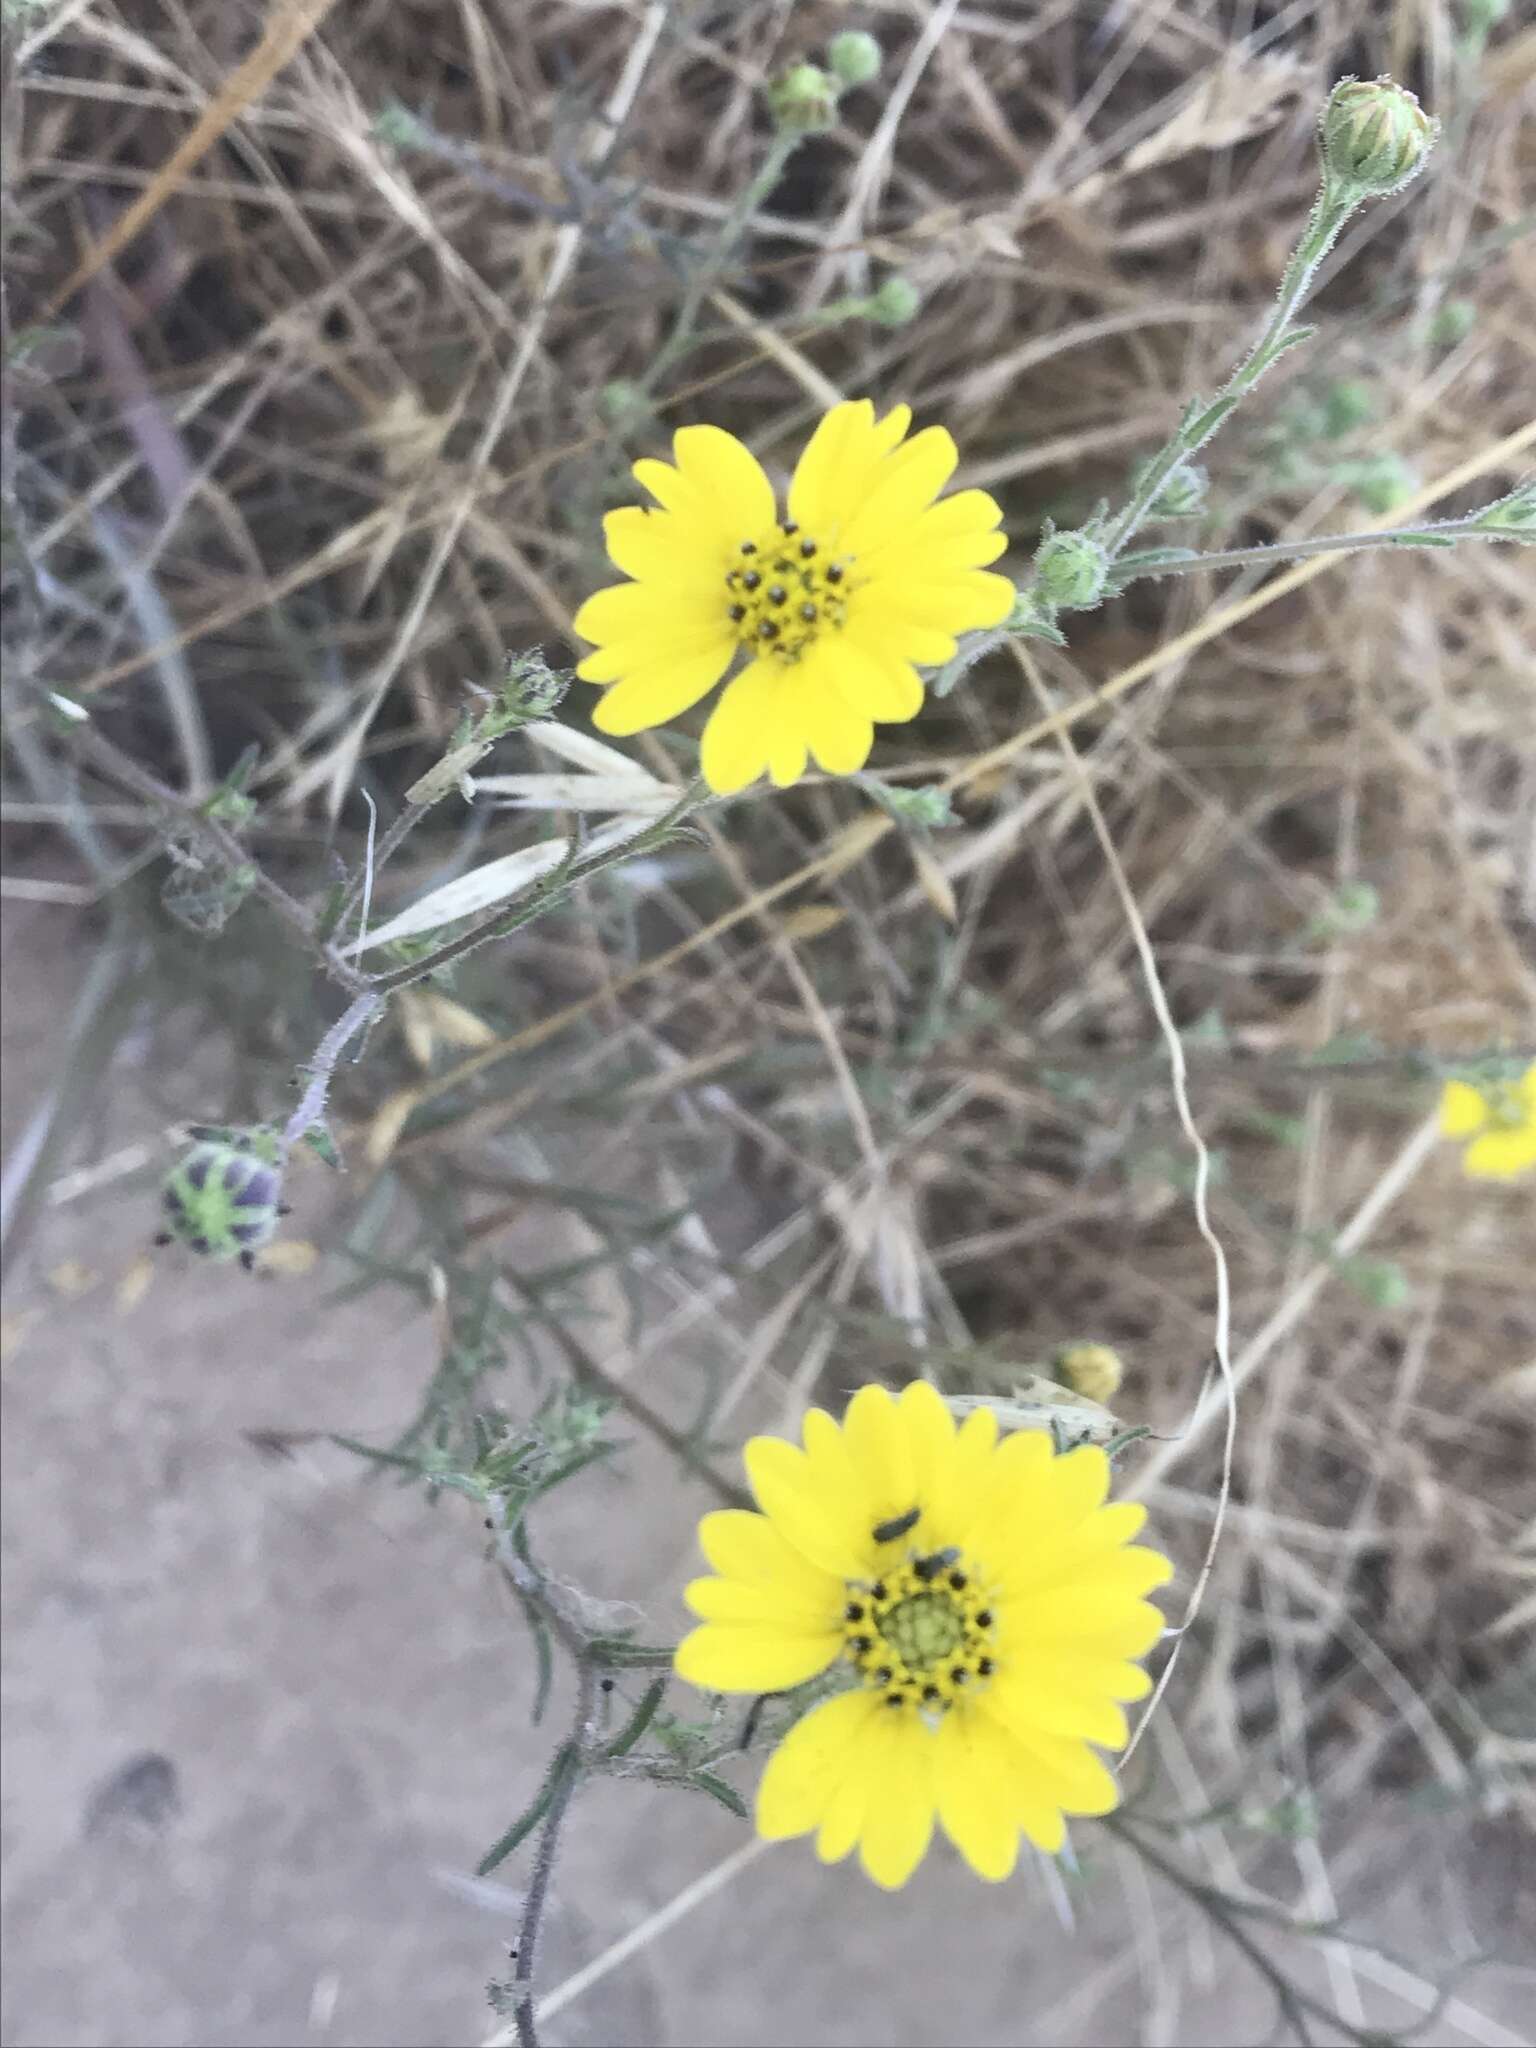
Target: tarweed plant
[{"x": 926, "y": 1608}]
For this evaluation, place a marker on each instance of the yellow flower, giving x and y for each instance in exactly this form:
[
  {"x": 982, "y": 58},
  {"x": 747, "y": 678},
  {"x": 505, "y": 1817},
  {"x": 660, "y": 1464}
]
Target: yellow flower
[
  {"x": 1500, "y": 1119},
  {"x": 832, "y": 605},
  {"x": 981, "y": 1599}
]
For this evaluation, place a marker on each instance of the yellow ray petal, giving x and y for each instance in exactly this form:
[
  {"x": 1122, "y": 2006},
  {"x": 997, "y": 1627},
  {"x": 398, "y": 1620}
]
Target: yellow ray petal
[
  {"x": 907, "y": 483},
  {"x": 825, "y": 1528},
  {"x": 840, "y": 463},
  {"x": 741, "y": 1545},
  {"x": 880, "y": 1451},
  {"x": 973, "y": 1768},
  {"x": 838, "y": 735},
  {"x": 736, "y": 1603},
  {"x": 1063, "y": 1770},
  {"x": 898, "y": 1824},
  {"x": 884, "y": 689},
  {"x": 818, "y": 1755},
  {"x": 1462, "y": 1110},
  {"x": 1502, "y": 1155},
  {"x": 661, "y": 690},
  {"x": 727, "y": 476},
  {"x": 723, "y": 1657},
  {"x": 738, "y": 739},
  {"x": 658, "y": 547}
]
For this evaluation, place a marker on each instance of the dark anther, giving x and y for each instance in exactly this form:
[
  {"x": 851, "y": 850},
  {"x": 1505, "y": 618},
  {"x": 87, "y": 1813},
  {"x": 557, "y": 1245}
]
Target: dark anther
[
  {"x": 200, "y": 1244},
  {"x": 893, "y": 1699},
  {"x": 777, "y": 593},
  {"x": 605, "y": 1685},
  {"x": 861, "y": 1645},
  {"x": 984, "y": 1619},
  {"x": 807, "y": 547},
  {"x": 898, "y": 1525},
  {"x": 985, "y": 1667},
  {"x": 749, "y": 547},
  {"x": 767, "y": 630},
  {"x": 732, "y": 579},
  {"x": 959, "y": 1674},
  {"x": 930, "y": 1693},
  {"x": 878, "y": 1590},
  {"x": 789, "y": 527},
  {"x": 884, "y": 1675},
  {"x": 164, "y": 1237},
  {"x": 959, "y": 1581},
  {"x": 853, "y": 1611},
  {"x": 751, "y": 580},
  {"x": 248, "y": 1261},
  {"x": 738, "y": 612},
  {"x": 782, "y": 566},
  {"x": 808, "y": 613},
  {"x": 834, "y": 573}
]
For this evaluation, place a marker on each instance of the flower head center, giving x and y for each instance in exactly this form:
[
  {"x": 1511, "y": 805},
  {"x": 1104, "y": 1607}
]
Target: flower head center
[
  {"x": 782, "y": 591},
  {"x": 923, "y": 1632}
]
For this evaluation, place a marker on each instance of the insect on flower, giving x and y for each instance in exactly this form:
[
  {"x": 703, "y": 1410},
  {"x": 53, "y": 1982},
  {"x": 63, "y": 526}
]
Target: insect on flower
[
  {"x": 221, "y": 1199},
  {"x": 982, "y": 1603},
  {"x": 834, "y": 606}
]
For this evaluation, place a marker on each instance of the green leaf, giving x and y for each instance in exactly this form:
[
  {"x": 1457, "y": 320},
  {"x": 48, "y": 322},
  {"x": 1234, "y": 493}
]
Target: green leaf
[
  {"x": 717, "y": 1788},
  {"x": 319, "y": 1140},
  {"x": 640, "y": 1720},
  {"x": 563, "y": 1767},
  {"x": 619, "y": 1655}
]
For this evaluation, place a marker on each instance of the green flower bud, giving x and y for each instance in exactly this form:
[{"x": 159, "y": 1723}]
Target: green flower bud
[
  {"x": 1071, "y": 570},
  {"x": 854, "y": 57},
  {"x": 1374, "y": 136},
  {"x": 804, "y": 100},
  {"x": 895, "y": 303}
]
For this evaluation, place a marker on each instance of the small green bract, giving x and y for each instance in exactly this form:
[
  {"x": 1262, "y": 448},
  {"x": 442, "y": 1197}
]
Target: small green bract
[{"x": 221, "y": 1198}]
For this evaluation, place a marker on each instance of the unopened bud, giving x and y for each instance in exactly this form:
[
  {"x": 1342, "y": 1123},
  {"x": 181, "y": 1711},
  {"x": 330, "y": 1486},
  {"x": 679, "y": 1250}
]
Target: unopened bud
[
  {"x": 1071, "y": 570},
  {"x": 1511, "y": 518},
  {"x": 1452, "y": 323},
  {"x": 804, "y": 100},
  {"x": 895, "y": 303},
  {"x": 854, "y": 57},
  {"x": 1374, "y": 136},
  {"x": 1092, "y": 1370}
]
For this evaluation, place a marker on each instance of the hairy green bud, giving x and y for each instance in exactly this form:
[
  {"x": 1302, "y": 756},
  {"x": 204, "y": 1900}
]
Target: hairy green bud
[
  {"x": 804, "y": 100},
  {"x": 1511, "y": 518},
  {"x": 854, "y": 57},
  {"x": 1374, "y": 137},
  {"x": 1071, "y": 570},
  {"x": 895, "y": 303},
  {"x": 222, "y": 1198}
]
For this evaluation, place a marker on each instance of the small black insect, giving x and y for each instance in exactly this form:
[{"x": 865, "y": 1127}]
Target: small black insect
[
  {"x": 898, "y": 1525},
  {"x": 937, "y": 1561}
]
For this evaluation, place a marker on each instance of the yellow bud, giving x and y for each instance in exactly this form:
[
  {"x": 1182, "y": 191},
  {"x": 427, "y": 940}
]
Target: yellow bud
[{"x": 1092, "y": 1370}]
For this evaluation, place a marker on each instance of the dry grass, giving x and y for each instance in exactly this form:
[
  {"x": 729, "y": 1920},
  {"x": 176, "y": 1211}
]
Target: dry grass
[{"x": 328, "y": 437}]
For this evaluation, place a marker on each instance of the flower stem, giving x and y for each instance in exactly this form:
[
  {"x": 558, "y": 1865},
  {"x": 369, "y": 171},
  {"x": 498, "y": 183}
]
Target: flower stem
[
  {"x": 322, "y": 1066},
  {"x": 1201, "y": 422},
  {"x": 1441, "y": 533},
  {"x": 779, "y": 151}
]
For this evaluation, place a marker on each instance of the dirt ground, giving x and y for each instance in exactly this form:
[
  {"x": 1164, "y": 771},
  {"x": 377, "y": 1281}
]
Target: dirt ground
[{"x": 262, "y": 1717}]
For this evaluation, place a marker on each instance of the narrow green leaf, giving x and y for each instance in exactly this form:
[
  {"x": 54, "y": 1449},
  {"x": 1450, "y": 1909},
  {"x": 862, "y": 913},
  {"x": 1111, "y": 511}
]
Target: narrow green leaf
[
  {"x": 717, "y": 1788},
  {"x": 563, "y": 1765},
  {"x": 640, "y": 1720}
]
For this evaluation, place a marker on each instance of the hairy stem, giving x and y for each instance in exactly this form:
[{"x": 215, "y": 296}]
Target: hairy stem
[
  {"x": 746, "y": 203},
  {"x": 322, "y": 1065},
  {"x": 1438, "y": 534},
  {"x": 1200, "y": 423}
]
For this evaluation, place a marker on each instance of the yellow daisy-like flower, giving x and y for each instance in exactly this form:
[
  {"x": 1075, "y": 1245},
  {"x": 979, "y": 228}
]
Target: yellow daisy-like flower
[
  {"x": 985, "y": 1603},
  {"x": 833, "y": 606},
  {"x": 1500, "y": 1119}
]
